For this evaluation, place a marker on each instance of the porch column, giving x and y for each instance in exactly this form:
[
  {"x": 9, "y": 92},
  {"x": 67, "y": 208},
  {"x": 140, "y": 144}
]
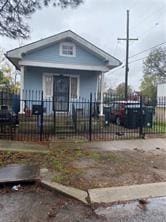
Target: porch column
[
  {"x": 21, "y": 92},
  {"x": 101, "y": 93}
]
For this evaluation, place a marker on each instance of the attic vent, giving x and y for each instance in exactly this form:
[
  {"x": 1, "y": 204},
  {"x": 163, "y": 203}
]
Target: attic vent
[{"x": 67, "y": 49}]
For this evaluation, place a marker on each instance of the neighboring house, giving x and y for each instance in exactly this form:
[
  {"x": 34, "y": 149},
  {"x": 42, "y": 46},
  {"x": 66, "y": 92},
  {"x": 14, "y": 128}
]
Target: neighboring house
[
  {"x": 161, "y": 101},
  {"x": 65, "y": 66},
  {"x": 161, "y": 94},
  {"x": 161, "y": 90}
]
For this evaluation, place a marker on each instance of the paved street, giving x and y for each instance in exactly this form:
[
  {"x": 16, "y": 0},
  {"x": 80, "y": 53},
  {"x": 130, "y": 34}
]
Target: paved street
[
  {"x": 34, "y": 204},
  {"x": 153, "y": 211}
]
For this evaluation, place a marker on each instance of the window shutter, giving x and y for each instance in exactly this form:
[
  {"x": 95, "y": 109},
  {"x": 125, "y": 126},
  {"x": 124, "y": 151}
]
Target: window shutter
[
  {"x": 48, "y": 86},
  {"x": 74, "y": 87}
]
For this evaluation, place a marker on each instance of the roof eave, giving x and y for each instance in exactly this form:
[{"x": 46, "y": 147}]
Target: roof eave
[
  {"x": 113, "y": 66},
  {"x": 11, "y": 60},
  {"x": 17, "y": 53}
]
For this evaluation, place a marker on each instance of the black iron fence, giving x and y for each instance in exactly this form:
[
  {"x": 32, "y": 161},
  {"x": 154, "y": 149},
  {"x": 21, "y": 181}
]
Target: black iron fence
[{"x": 34, "y": 117}]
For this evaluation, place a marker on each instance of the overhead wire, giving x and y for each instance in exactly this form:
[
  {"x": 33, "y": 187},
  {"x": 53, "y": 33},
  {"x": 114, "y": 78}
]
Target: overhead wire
[{"x": 139, "y": 53}]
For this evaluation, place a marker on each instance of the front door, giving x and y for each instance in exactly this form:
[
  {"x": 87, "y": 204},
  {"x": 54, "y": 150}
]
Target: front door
[{"x": 61, "y": 93}]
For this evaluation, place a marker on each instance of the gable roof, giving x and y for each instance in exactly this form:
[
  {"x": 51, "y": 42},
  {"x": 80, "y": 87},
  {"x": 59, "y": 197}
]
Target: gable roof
[{"x": 16, "y": 54}]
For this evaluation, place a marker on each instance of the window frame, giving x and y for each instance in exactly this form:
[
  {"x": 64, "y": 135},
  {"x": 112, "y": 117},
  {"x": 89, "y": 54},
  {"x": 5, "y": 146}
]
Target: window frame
[
  {"x": 67, "y": 75},
  {"x": 67, "y": 44},
  {"x": 44, "y": 85},
  {"x": 78, "y": 86}
]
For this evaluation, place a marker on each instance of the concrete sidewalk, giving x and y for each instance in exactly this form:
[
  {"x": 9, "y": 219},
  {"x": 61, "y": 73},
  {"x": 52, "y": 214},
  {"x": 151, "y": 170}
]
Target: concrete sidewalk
[
  {"x": 21, "y": 146},
  {"x": 127, "y": 193},
  {"x": 122, "y": 145}
]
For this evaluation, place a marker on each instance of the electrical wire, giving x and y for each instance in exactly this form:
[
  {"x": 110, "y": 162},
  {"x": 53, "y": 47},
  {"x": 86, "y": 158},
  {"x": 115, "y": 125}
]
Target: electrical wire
[
  {"x": 139, "y": 53},
  {"x": 145, "y": 50}
]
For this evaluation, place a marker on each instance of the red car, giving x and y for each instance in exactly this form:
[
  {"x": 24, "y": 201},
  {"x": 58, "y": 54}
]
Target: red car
[{"x": 118, "y": 110}]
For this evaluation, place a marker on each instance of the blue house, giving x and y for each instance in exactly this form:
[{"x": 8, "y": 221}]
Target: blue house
[{"x": 64, "y": 66}]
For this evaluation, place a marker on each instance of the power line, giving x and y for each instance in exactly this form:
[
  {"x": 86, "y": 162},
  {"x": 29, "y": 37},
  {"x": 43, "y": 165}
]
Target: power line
[
  {"x": 137, "y": 60},
  {"x": 141, "y": 52},
  {"x": 116, "y": 46},
  {"x": 122, "y": 66}
]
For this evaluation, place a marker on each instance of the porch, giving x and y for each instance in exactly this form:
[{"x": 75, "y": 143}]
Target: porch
[{"x": 59, "y": 88}]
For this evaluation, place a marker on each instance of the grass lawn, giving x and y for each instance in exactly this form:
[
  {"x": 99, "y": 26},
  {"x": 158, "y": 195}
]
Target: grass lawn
[{"x": 157, "y": 127}]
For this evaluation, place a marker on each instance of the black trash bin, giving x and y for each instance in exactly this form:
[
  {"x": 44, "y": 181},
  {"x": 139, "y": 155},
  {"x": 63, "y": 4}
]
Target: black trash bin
[
  {"x": 107, "y": 112},
  {"x": 132, "y": 117},
  {"x": 148, "y": 116}
]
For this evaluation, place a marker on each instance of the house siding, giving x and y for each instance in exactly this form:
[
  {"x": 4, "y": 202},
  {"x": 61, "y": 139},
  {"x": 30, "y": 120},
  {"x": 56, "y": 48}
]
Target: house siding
[
  {"x": 51, "y": 54},
  {"x": 33, "y": 81}
]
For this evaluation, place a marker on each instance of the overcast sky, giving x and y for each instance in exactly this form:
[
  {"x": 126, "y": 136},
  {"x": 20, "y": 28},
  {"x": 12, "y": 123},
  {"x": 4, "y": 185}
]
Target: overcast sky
[{"x": 102, "y": 22}]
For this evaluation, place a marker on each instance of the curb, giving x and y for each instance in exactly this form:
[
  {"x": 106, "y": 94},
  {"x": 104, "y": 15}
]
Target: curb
[
  {"x": 14, "y": 174},
  {"x": 70, "y": 191},
  {"x": 110, "y": 194},
  {"x": 127, "y": 193}
]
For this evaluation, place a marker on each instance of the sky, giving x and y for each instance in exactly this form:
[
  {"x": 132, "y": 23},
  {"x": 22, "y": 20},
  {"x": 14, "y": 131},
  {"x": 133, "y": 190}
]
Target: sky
[{"x": 102, "y": 22}]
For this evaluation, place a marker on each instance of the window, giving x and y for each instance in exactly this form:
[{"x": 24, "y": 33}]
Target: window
[
  {"x": 74, "y": 87},
  {"x": 48, "y": 86},
  {"x": 67, "y": 49}
]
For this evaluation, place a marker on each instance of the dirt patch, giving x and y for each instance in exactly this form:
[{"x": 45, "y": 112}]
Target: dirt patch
[
  {"x": 84, "y": 163},
  {"x": 123, "y": 168},
  {"x": 70, "y": 164}
]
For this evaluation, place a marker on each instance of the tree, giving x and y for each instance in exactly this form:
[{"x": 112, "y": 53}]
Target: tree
[
  {"x": 148, "y": 87},
  {"x": 7, "y": 74},
  {"x": 154, "y": 68},
  {"x": 120, "y": 89},
  {"x": 109, "y": 95},
  {"x": 155, "y": 64},
  {"x": 110, "y": 91},
  {"x": 14, "y": 14}
]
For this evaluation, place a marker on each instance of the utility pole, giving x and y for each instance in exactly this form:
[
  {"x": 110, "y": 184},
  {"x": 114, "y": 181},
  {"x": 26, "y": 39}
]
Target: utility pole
[{"x": 127, "y": 39}]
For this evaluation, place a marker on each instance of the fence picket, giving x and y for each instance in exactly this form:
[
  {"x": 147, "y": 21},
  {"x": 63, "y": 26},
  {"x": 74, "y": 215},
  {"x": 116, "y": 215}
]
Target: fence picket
[{"x": 134, "y": 118}]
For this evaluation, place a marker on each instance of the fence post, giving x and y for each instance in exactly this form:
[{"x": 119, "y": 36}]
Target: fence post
[
  {"x": 141, "y": 134},
  {"x": 90, "y": 118},
  {"x": 2, "y": 102},
  {"x": 41, "y": 118}
]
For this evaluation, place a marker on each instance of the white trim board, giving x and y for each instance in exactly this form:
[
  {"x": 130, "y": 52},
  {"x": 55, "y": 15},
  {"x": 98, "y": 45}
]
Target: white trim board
[{"x": 63, "y": 66}]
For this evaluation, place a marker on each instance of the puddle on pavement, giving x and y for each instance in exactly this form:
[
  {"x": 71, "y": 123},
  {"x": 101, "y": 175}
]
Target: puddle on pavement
[{"x": 153, "y": 211}]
